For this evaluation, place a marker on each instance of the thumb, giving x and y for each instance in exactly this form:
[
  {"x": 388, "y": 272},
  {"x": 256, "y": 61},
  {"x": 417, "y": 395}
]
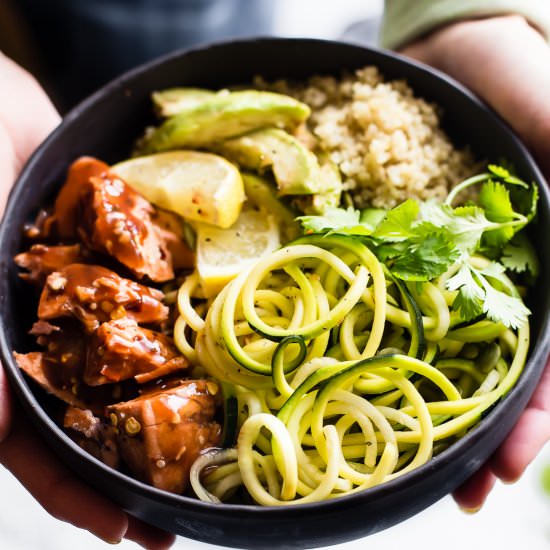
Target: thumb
[
  {"x": 27, "y": 116},
  {"x": 5, "y": 406},
  {"x": 26, "y": 112}
]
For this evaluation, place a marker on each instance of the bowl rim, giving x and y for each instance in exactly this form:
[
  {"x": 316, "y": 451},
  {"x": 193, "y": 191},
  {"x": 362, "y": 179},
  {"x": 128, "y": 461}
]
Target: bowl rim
[{"x": 539, "y": 349}]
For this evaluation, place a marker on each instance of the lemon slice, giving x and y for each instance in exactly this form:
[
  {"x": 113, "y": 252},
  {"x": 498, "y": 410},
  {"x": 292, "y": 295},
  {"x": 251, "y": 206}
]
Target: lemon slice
[
  {"x": 198, "y": 186},
  {"x": 223, "y": 253}
]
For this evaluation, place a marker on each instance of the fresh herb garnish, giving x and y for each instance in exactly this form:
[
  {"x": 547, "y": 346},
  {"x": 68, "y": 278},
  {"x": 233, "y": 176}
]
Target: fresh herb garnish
[
  {"x": 336, "y": 220},
  {"x": 519, "y": 256},
  {"x": 420, "y": 241},
  {"x": 478, "y": 293}
]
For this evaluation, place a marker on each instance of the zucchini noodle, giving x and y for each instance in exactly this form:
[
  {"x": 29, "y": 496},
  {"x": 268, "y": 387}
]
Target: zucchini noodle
[{"x": 341, "y": 376}]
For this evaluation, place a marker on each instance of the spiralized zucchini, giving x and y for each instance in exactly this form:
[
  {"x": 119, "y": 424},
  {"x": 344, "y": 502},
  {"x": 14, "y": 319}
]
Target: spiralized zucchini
[{"x": 343, "y": 377}]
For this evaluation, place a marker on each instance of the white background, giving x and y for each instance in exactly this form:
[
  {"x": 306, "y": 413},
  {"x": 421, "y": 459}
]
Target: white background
[{"x": 515, "y": 516}]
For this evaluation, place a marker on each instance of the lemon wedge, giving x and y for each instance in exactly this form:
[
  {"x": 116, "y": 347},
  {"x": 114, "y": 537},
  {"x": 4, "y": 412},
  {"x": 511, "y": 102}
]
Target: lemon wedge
[
  {"x": 223, "y": 253},
  {"x": 201, "y": 187}
]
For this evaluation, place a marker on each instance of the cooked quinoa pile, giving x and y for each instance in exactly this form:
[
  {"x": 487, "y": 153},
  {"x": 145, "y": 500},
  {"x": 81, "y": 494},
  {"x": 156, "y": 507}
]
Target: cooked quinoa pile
[{"x": 387, "y": 143}]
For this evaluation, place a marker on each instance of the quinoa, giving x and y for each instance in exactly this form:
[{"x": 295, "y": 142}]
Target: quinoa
[{"x": 387, "y": 143}]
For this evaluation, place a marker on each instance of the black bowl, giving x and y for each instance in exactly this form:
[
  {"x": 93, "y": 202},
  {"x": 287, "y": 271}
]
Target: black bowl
[{"x": 105, "y": 126}]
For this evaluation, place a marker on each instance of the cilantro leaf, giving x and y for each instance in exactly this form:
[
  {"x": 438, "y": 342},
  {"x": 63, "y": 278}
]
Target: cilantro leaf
[
  {"x": 398, "y": 223},
  {"x": 468, "y": 226},
  {"x": 524, "y": 196},
  {"x": 476, "y": 295},
  {"x": 504, "y": 174},
  {"x": 495, "y": 199},
  {"x": 503, "y": 308},
  {"x": 386, "y": 251},
  {"x": 525, "y": 201},
  {"x": 464, "y": 277},
  {"x": 519, "y": 256},
  {"x": 426, "y": 258},
  {"x": 498, "y": 171},
  {"x": 496, "y": 271},
  {"x": 467, "y": 305},
  {"x": 469, "y": 300},
  {"x": 371, "y": 217},
  {"x": 466, "y": 223},
  {"x": 344, "y": 221},
  {"x": 333, "y": 220},
  {"x": 435, "y": 212}
]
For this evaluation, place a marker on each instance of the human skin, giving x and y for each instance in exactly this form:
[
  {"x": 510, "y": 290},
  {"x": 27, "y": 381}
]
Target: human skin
[
  {"x": 26, "y": 118},
  {"x": 506, "y": 62}
]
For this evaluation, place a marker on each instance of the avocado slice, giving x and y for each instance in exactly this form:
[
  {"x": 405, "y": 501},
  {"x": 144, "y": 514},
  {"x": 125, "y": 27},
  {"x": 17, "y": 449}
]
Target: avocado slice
[
  {"x": 263, "y": 193},
  {"x": 172, "y": 101},
  {"x": 331, "y": 189},
  {"x": 224, "y": 116},
  {"x": 295, "y": 167}
]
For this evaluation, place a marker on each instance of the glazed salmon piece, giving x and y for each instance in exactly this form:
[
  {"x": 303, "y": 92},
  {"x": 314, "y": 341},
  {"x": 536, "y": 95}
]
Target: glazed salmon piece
[
  {"x": 41, "y": 260},
  {"x": 93, "y": 434},
  {"x": 162, "y": 433},
  {"x": 94, "y": 295},
  {"x": 120, "y": 349},
  {"x": 44, "y": 372},
  {"x": 66, "y": 207},
  {"x": 51, "y": 375},
  {"x": 108, "y": 216},
  {"x": 117, "y": 221}
]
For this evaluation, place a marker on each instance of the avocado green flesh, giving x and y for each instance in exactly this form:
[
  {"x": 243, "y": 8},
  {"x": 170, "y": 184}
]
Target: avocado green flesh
[
  {"x": 224, "y": 116},
  {"x": 172, "y": 101},
  {"x": 262, "y": 193},
  {"x": 295, "y": 168},
  {"x": 331, "y": 190}
]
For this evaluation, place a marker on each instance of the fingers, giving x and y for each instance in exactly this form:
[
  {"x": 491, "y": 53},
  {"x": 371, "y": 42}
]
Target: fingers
[
  {"x": 27, "y": 116},
  {"x": 8, "y": 172},
  {"x": 509, "y": 461},
  {"x": 528, "y": 436},
  {"x": 68, "y": 499},
  {"x": 147, "y": 536},
  {"x": 56, "y": 489},
  {"x": 26, "y": 113},
  {"x": 522, "y": 445},
  {"x": 471, "y": 495},
  {"x": 421, "y": 51},
  {"x": 5, "y": 406}
]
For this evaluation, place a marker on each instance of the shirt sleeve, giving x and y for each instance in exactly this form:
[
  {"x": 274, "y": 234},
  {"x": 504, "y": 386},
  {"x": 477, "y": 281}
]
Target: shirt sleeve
[{"x": 405, "y": 20}]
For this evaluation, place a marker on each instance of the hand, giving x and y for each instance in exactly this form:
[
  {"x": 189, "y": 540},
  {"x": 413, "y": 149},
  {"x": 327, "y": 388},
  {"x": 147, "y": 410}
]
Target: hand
[
  {"x": 26, "y": 117},
  {"x": 507, "y": 63}
]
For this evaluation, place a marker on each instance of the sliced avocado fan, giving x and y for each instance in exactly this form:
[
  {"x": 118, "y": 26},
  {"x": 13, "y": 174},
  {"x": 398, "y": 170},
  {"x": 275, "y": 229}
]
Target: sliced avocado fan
[
  {"x": 295, "y": 167},
  {"x": 224, "y": 116}
]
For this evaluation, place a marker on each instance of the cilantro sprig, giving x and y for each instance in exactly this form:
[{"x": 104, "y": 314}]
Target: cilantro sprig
[
  {"x": 420, "y": 241},
  {"x": 478, "y": 294}
]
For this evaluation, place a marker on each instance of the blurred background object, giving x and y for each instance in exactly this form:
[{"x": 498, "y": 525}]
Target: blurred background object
[
  {"x": 77, "y": 46},
  {"x": 364, "y": 31},
  {"x": 74, "y": 47}
]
